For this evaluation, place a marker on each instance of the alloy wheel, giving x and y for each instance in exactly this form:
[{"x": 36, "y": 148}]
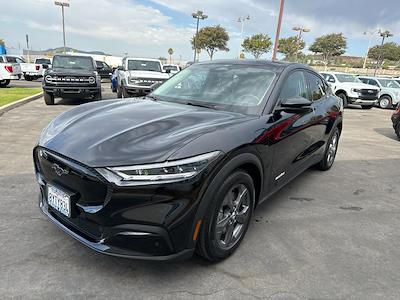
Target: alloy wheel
[
  {"x": 233, "y": 214},
  {"x": 332, "y": 148}
]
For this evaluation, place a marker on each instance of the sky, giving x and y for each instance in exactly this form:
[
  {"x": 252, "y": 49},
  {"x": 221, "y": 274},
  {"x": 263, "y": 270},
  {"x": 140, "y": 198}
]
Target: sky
[{"x": 148, "y": 28}]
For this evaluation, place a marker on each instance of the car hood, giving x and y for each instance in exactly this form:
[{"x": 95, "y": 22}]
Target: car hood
[
  {"x": 148, "y": 74},
  {"x": 132, "y": 131},
  {"x": 359, "y": 85},
  {"x": 72, "y": 72}
]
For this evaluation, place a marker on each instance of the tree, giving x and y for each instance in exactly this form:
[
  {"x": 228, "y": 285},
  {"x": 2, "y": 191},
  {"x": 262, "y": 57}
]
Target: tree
[
  {"x": 211, "y": 39},
  {"x": 257, "y": 44},
  {"x": 170, "y": 52},
  {"x": 389, "y": 51},
  {"x": 329, "y": 45},
  {"x": 290, "y": 47},
  {"x": 2, "y": 42}
]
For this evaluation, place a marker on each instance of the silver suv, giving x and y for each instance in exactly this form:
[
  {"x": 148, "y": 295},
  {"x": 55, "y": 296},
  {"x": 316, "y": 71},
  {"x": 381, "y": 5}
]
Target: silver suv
[{"x": 389, "y": 94}]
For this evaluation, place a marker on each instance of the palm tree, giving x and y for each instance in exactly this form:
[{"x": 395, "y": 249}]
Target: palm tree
[{"x": 170, "y": 52}]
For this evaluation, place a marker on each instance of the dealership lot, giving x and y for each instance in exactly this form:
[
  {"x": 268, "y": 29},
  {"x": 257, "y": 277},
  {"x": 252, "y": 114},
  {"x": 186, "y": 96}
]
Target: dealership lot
[{"x": 332, "y": 235}]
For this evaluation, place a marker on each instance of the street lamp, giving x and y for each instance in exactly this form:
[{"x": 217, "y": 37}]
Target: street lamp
[
  {"x": 370, "y": 33},
  {"x": 384, "y": 34},
  {"x": 278, "y": 29},
  {"x": 242, "y": 20},
  {"x": 63, "y": 3},
  {"x": 300, "y": 30},
  {"x": 199, "y": 16}
]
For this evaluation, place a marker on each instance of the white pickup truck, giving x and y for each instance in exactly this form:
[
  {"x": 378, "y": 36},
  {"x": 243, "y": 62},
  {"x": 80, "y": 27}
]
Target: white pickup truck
[
  {"x": 351, "y": 90},
  {"x": 8, "y": 72},
  {"x": 30, "y": 71},
  {"x": 136, "y": 76}
]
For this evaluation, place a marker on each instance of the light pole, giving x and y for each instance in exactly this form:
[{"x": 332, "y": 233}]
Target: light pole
[
  {"x": 278, "y": 29},
  {"x": 242, "y": 20},
  {"x": 300, "y": 30},
  {"x": 63, "y": 3},
  {"x": 199, "y": 16},
  {"x": 384, "y": 34},
  {"x": 370, "y": 33}
]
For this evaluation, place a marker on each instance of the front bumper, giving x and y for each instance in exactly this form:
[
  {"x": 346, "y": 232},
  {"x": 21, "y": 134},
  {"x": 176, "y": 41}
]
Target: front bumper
[
  {"x": 363, "y": 101},
  {"x": 138, "y": 90},
  {"x": 65, "y": 91},
  {"x": 142, "y": 222}
]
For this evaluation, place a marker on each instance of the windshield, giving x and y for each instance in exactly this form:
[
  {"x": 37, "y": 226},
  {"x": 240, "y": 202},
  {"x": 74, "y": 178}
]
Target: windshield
[
  {"x": 389, "y": 83},
  {"x": 43, "y": 61},
  {"x": 347, "y": 78},
  {"x": 73, "y": 62},
  {"x": 239, "y": 88},
  {"x": 144, "y": 65},
  {"x": 172, "y": 68}
]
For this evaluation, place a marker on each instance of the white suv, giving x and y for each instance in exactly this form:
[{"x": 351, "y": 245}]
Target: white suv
[{"x": 351, "y": 89}]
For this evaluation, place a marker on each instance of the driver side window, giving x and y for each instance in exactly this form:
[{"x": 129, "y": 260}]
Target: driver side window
[{"x": 294, "y": 86}]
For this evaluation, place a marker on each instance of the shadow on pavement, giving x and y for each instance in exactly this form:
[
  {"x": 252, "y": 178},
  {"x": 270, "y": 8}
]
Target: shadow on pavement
[{"x": 387, "y": 132}]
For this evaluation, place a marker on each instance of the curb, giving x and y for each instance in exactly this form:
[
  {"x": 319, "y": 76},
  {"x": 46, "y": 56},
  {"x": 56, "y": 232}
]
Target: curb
[{"x": 18, "y": 103}]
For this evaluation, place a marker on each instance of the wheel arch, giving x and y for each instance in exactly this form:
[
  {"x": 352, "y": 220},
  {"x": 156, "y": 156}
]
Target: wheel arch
[
  {"x": 386, "y": 95},
  {"x": 341, "y": 91}
]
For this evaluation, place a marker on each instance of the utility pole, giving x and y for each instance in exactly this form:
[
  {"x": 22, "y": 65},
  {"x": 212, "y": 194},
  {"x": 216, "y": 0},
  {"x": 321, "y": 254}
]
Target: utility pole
[
  {"x": 300, "y": 30},
  {"x": 384, "y": 34},
  {"x": 199, "y": 16},
  {"x": 63, "y": 3},
  {"x": 278, "y": 29},
  {"x": 27, "y": 47},
  {"x": 370, "y": 33},
  {"x": 242, "y": 20}
]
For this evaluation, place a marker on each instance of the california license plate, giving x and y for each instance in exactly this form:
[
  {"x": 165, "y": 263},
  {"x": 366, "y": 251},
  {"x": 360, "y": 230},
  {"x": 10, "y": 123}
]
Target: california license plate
[{"x": 59, "y": 200}]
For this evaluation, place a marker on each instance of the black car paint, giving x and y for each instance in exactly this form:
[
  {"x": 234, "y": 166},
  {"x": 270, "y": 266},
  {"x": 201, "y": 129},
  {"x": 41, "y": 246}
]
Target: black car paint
[
  {"x": 128, "y": 132},
  {"x": 104, "y": 70}
]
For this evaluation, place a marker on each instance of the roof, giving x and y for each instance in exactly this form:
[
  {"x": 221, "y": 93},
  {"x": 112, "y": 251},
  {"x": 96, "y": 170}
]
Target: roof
[
  {"x": 256, "y": 62},
  {"x": 141, "y": 58}
]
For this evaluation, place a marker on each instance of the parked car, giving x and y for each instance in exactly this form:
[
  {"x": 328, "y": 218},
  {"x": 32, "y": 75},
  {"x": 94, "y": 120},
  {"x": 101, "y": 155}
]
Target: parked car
[
  {"x": 396, "y": 121},
  {"x": 71, "y": 76},
  {"x": 8, "y": 72},
  {"x": 30, "y": 71},
  {"x": 389, "y": 94},
  {"x": 351, "y": 90},
  {"x": 172, "y": 69},
  {"x": 45, "y": 62},
  {"x": 104, "y": 70},
  {"x": 136, "y": 76},
  {"x": 183, "y": 168}
]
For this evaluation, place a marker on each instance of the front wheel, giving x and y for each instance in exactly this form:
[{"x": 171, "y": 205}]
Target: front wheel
[
  {"x": 385, "y": 102},
  {"x": 4, "y": 83},
  {"x": 330, "y": 151},
  {"x": 119, "y": 91},
  {"x": 344, "y": 99},
  {"x": 48, "y": 98},
  {"x": 228, "y": 217},
  {"x": 97, "y": 96},
  {"x": 28, "y": 77},
  {"x": 366, "y": 106}
]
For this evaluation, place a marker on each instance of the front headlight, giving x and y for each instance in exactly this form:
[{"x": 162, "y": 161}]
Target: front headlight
[
  {"x": 167, "y": 172},
  {"x": 356, "y": 90}
]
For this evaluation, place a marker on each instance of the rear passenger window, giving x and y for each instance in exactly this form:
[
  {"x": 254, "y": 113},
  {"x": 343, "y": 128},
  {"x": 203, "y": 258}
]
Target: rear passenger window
[
  {"x": 373, "y": 82},
  {"x": 294, "y": 86},
  {"x": 316, "y": 86}
]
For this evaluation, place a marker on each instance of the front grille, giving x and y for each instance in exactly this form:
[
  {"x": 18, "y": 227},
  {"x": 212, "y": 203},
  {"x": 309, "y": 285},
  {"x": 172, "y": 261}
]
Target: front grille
[
  {"x": 81, "y": 80},
  {"x": 147, "y": 82},
  {"x": 369, "y": 92}
]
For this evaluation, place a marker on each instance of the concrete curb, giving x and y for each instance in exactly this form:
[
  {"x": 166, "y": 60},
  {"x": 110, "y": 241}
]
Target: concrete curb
[{"x": 18, "y": 103}]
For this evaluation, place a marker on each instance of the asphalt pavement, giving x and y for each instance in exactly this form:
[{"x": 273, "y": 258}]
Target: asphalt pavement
[{"x": 327, "y": 235}]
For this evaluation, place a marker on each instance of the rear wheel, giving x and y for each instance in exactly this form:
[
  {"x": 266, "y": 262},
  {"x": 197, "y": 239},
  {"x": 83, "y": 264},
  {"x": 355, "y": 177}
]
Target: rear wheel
[
  {"x": 366, "y": 106},
  {"x": 344, "y": 99},
  {"x": 385, "y": 102},
  {"x": 4, "y": 83},
  {"x": 228, "y": 217},
  {"x": 48, "y": 98},
  {"x": 28, "y": 77},
  {"x": 330, "y": 151}
]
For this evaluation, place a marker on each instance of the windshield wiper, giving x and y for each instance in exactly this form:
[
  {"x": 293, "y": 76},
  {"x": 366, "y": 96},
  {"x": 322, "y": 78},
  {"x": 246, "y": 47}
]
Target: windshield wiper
[
  {"x": 200, "y": 105},
  {"x": 153, "y": 97}
]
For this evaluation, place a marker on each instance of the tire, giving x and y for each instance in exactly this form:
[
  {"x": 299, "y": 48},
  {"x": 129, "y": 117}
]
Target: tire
[
  {"x": 125, "y": 93},
  {"x": 385, "y": 102},
  {"x": 48, "y": 98},
  {"x": 397, "y": 130},
  {"x": 217, "y": 242},
  {"x": 98, "y": 96},
  {"x": 119, "y": 91},
  {"x": 28, "y": 78},
  {"x": 4, "y": 83},
  {"x": 344, "y": 99},
  {"x": 330, "y": 151},
  {"x": 366, "y": 106}
]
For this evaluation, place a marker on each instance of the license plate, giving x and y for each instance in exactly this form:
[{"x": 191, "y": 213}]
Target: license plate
[{"x": 59, "y": 200}]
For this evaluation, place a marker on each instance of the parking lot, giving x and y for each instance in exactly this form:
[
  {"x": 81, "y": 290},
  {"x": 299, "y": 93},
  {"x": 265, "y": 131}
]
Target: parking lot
[{"x": 327, "y": 235}]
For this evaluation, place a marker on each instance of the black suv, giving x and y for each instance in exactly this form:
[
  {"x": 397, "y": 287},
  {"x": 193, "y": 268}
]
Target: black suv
[{"x": 71, "y": 76}]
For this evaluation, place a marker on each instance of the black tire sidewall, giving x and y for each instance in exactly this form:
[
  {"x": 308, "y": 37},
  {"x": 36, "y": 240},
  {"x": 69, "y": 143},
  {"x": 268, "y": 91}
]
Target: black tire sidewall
[
  {"x": 388, "y": 98},
  {"x": 324, "y": 163},
  {"x": 344, "y": 99},
  {"x": 214, "y": 252},
  {"x": 48, "y": 98}
]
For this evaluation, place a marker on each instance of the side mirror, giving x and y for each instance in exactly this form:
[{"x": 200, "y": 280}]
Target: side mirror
[
  {"x": 99, "y": 67},
  {"x": 294, "y": 104}
]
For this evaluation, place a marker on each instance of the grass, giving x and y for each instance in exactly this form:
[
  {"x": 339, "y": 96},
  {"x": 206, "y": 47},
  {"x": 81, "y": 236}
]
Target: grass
[{"x": 12, "y": 94}]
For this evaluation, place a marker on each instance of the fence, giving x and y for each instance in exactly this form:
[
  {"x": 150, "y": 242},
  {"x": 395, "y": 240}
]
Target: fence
[{"x": 360, "y": 71}]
